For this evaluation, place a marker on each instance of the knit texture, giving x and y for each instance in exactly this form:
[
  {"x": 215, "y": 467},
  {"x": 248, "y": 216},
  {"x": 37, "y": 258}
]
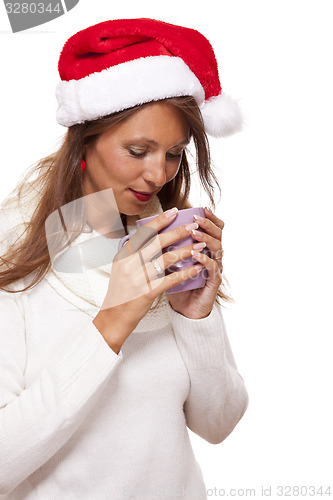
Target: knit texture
[
  {"x": 79, "y": 421},
  {"x": 86, "y": 290},
  {"x": 118, "y": 64}
]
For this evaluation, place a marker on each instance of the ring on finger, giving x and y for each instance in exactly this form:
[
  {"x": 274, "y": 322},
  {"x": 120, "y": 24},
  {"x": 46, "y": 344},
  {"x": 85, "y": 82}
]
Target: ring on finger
[{"x": 159, "y": 270}]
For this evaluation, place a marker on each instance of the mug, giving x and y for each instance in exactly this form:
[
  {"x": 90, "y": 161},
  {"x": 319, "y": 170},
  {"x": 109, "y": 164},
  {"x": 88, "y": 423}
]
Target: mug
[{"x": 183, "y": 217}]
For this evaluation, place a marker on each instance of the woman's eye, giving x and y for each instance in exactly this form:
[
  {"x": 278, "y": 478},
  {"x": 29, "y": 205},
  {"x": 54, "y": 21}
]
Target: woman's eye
[
  {"x": 173, "y": 155},
  {"x": 140, "y": 154},
  {"x": 137, "y": 154}
]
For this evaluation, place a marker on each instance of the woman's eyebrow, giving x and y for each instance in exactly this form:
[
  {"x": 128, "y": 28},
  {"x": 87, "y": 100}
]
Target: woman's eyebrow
[
  {"x": 186, "y": 141},
  {"x": 154, "y": 143}
]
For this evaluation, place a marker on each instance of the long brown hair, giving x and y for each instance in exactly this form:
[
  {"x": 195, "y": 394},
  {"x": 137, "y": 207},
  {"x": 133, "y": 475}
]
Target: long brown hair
[{"x": 57, "y": 180}]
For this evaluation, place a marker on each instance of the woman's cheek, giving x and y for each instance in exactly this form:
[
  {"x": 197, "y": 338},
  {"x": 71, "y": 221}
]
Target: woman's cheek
[{"x": 173, "y": 172}]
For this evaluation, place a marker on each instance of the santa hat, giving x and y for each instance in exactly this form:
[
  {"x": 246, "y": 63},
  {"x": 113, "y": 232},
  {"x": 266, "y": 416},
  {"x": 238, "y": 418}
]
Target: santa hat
[{"x": 119, "y": 64}]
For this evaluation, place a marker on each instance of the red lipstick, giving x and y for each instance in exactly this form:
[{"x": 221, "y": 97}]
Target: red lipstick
[{"x": 141, "y": 196}]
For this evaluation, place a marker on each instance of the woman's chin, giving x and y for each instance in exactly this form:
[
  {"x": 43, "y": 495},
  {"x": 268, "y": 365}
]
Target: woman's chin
[
  {"x": 135, "y": 207},
  {"x": 130, "y": 210}
]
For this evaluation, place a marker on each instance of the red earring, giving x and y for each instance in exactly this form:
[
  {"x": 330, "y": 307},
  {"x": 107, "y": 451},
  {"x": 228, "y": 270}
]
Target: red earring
[{"x": 83, "y": 165}]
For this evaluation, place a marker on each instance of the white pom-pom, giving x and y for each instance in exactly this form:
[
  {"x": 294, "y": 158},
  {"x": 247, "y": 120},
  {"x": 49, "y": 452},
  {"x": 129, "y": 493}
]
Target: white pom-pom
[{"x": 222, "y": 116}]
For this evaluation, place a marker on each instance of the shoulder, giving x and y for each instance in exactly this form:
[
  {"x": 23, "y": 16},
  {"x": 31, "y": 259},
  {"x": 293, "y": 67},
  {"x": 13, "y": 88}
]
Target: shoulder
[
  {"x": 11, "y": 222},
  {"x": 15, "y": 212}
]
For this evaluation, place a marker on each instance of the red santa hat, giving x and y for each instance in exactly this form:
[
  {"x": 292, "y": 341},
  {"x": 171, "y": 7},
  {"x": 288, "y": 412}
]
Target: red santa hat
[{"x": 119, "y": 64}]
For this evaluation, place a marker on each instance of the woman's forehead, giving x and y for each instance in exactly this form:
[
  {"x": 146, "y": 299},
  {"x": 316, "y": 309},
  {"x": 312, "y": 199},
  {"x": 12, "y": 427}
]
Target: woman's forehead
[{"x": 150, "y": 124}]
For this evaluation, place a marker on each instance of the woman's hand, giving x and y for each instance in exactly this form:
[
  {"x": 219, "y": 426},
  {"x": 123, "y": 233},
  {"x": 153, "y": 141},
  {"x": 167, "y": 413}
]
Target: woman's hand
[
  {"x": 197, "y": 304},
  {"x": 134, "y": 281}
]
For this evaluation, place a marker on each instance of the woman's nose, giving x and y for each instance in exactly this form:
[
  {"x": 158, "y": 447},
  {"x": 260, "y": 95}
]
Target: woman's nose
[{"x": 156, "y": 172}]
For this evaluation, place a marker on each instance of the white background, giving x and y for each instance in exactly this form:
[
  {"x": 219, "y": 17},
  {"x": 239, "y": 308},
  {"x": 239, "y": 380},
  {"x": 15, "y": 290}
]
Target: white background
[{"x": 276, "y": 56}]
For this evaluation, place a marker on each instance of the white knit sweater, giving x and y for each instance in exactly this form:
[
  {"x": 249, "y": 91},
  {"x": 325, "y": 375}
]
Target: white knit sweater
[{"x": 79, "y": 422}]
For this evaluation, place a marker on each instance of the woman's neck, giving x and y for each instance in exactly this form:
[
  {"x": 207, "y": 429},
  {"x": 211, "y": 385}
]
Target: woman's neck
[{"x": 131, "y": 219}]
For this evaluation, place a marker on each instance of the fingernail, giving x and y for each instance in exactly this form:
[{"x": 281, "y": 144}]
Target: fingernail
[
  {"x": 199, "y": 246},
  {"x": 208, "y": 210},
  {"x": 196, "y": 233},
  {"x": 189, "y": 227},
  {"x": 198, "y": 266},
  {"x": 171, "y": 212},
  {"x": 195, "y": 254},
  {"x": 199, "y": 218}
]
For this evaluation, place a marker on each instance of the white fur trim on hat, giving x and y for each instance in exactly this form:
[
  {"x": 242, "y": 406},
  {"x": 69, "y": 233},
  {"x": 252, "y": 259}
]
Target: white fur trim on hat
[
  {"x": 123, "y": 86},
  {"x": 222, "y": 116}
]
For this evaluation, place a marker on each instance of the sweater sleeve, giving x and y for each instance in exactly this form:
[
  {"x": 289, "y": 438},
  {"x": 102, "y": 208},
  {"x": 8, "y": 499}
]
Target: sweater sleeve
[
  {"x": 217, "y": 399},
  {"x": 36, "y": 421}
]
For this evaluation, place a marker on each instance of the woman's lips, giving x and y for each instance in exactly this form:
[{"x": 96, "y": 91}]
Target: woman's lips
[{"x": 141, "y": 196}]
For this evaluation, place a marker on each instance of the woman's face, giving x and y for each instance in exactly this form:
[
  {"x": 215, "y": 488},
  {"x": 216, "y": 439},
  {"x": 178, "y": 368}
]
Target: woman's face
[{"x": 140, "y": 154}]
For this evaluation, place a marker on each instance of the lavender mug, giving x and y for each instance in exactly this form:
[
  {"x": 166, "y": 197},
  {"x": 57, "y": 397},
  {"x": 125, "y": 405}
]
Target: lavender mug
[{"x": 183, "y": 217}]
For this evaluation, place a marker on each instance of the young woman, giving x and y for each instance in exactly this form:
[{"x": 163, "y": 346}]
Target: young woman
[{"x": 98, "y": 377}]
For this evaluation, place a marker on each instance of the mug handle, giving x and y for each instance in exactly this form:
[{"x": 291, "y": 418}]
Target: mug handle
[{"x": 123, "y": 241}]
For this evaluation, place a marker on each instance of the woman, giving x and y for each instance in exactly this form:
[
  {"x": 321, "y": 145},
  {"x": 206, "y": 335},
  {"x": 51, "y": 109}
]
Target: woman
[{"x": 98, "y": 378}]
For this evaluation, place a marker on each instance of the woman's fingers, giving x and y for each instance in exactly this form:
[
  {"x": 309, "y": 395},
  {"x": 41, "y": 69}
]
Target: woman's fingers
[
  {"x": 145, "y": 246},
  {"x": 214, "y": 268},
  {"x": 134, "y": 276},
  {"x": 137, "y": 241},
  {"x": 170, "y": 258},
  {"x": 213, "y": 235},
  {"x": 145, "y": 233},
  {"x": 213, "y": 245},
  {"x": 173, "y": 279},
  {"x": 155, "y": 246},
  {"x": 211, "y": 227},
  {"x": 212, "y": 217}
]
